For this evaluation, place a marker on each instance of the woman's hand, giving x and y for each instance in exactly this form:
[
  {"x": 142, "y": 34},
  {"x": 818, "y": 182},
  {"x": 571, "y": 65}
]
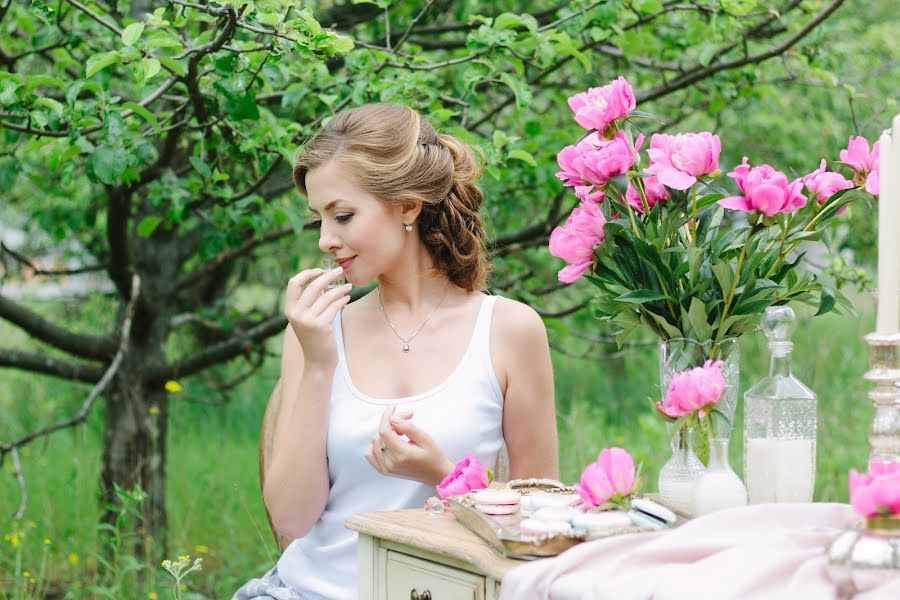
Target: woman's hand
[
  {"x": 419, "y": 458},
  {"x": 311, "y": 310}
]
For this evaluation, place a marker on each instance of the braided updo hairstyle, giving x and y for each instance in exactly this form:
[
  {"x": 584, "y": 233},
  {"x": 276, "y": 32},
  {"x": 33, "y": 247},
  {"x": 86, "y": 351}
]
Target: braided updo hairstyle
[{"x": 395, "y": 154}]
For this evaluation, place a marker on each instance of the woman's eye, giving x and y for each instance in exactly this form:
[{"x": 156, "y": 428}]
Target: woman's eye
[
  {"x": 342, "y": 218},
  {"x": 316, "y": 223}
]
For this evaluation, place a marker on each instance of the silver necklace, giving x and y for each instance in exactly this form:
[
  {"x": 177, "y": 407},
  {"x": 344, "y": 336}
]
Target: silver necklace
[{"x": 406, "y": 341}]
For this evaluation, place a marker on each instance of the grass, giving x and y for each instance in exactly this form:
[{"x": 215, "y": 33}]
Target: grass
[{"x": 213, "y": 497}]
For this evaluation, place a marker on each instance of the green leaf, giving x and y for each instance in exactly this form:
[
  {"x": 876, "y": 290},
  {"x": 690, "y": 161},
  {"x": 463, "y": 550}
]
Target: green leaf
[
  {"x": 826, "y": 301},
  {"x": 698, "y": 319},
  {"x": 641, "y": 296},
  {"x": 132, "y": 33},
  {"x": 108, "y": 164},
  {"x": 523, "y": 156},
  {"x": 520, "y": 89},
  {"x": 148, "y": 225},
  {"x": 342, "y": 43},
  {"x": 150, "y": 67},
  {"x": 173, "y": 65},
  {"x": 143, "y": 113},
  {"x": 200, "y": 166},
  {"x": 100, "y": 61},
  {"x": 724, "y": 275}
]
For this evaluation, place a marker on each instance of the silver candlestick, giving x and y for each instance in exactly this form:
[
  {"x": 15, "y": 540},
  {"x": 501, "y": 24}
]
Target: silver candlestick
[{"x": 866, "y": 556}]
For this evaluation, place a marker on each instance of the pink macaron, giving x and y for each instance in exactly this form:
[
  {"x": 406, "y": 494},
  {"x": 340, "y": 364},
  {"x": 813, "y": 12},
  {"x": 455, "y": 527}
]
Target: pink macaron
[{"x": 496, "y": 502}]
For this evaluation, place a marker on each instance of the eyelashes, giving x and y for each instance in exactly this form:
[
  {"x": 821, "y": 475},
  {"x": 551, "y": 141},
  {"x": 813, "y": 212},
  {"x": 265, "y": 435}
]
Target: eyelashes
[{"x": 342, "y": 219}]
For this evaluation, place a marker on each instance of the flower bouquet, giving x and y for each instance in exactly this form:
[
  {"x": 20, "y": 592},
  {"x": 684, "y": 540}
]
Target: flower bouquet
[{"x": 671, "y": 250}]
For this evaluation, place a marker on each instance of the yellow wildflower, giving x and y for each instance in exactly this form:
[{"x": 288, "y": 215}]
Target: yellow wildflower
[
  {"x": 151, "y": 595},
  {"x": 32, "y": 524},
  {"x": 26, "y": 574},
  {"x": 46, "y": 541},
  {"x": 201, "y": 549},
  {"x": 73, "y": 558},
  {"x": 173, "y": 386},
  {"x": 154, "y": 410}
]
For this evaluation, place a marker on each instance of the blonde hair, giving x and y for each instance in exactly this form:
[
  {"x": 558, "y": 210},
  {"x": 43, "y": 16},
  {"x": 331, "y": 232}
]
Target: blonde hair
[{"x": 395, "y": 154}]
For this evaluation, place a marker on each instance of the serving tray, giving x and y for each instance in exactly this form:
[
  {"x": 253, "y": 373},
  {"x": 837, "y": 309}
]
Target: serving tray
[{"x": 502, "y": 531}]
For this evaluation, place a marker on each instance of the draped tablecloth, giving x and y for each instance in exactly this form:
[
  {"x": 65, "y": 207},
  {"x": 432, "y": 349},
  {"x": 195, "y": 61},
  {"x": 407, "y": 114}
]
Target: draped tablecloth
[{"x": 765, "y": 551}]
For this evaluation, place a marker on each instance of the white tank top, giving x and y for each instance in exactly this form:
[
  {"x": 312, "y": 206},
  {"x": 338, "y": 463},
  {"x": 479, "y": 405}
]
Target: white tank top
[{"x": 462, "y": 414}]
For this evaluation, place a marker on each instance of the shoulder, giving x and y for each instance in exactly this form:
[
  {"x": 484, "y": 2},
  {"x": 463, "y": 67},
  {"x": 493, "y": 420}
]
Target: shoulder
[{"x": 516, "y": 323}]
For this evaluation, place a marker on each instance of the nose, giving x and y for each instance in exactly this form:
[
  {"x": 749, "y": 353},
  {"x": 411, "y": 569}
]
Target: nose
[{"x": 328, "y": 241}]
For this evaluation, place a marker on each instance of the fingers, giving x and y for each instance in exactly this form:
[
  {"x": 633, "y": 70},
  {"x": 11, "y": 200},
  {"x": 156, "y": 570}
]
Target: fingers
[
  {"x": 327, "y": 299},
  {"x": 295, "y": 286},
  {"x": 370, "y": 458},
  {"x": 415, "y": 433},
  {"x": 312, "y": 292}
]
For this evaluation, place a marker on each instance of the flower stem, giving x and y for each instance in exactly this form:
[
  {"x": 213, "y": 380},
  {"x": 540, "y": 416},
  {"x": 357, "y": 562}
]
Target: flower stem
[{"x": 737, "y": 276}]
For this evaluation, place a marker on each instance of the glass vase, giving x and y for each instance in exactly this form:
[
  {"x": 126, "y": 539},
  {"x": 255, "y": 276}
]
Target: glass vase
[
  {"x": 679, "y": 475},
  {"x": 719, "y": 487},
  {"x": 682, "y": 354}
]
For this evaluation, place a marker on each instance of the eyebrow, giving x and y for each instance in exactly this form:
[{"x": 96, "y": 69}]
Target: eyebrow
[{"x": 328, "y": 206}]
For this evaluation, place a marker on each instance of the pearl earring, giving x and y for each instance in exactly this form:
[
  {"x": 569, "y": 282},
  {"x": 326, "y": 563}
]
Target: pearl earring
[{"x": 408, "y": 227}]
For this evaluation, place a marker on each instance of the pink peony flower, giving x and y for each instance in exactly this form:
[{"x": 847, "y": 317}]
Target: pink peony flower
[
  {"x": 863, "y": 163},
  {"x": 824, "y": 184},
  {"x": 600, "y": 106},
  {"x": 593, "y": 161},
  {"x": 693, "y": 390},
  {"x": 678, "y": 160},
  {"x": 613, "y": 474},
  {"x": 765, "y": 190},
  {"x": 653, "y": 189},
  {"x": 575, "y": 241},
  {"x": 468, "y": 475},
  {"x": 610, "y": 158},
  {"x": 876, "y": 492},
  {"x": 587, "y": 192}
]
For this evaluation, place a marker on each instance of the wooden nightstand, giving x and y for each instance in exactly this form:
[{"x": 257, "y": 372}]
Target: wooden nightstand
[{"x": 412, "y": 554}]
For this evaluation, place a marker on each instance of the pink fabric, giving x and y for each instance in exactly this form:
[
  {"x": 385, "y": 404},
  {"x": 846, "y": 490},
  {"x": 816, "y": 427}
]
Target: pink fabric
[{"x": 767, "y": 551}]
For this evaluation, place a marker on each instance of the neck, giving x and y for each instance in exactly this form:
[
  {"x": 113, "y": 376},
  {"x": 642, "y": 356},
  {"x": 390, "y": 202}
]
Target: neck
[{"x": 413, "y": 296}]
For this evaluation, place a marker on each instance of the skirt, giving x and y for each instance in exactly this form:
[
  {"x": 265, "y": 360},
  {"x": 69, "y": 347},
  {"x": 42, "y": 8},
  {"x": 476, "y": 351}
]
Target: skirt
[{"x": 268, "y": 587}]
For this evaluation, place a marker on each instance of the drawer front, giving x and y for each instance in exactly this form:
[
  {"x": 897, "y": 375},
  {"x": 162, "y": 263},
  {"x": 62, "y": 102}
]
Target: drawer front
[{"x": 411, "y": 578}]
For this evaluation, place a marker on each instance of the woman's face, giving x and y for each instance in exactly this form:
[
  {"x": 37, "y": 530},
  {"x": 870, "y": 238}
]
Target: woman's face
[{"x": 363, "y": 234}]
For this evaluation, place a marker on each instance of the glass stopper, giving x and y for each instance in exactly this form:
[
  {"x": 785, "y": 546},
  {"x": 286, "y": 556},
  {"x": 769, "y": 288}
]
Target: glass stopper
[{"x": 778, "y": 324}]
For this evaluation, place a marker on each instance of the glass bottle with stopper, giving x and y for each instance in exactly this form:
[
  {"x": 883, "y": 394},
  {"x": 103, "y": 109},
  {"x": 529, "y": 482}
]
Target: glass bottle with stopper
[{"x": 779, "y": 423}]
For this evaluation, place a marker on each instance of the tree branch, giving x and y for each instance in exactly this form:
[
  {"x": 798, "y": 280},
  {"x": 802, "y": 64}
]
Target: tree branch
[
  {"x": 198, "y": 274},
  {"x": 700, "y": 73},
  {"x": 84, "y": 346},
  {"x": 82, "y": 414},
  {"x": 21, "y": 258},
  {"x": 41, "y": 363},
  {"x": 221, "y": 352}
]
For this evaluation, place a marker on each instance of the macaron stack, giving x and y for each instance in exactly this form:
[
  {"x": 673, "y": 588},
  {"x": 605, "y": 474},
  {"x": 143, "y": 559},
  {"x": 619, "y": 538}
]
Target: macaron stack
[{"x": 496, "y": 502}]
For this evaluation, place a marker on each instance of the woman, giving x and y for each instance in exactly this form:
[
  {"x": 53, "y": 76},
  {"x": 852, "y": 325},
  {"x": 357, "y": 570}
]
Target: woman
[{"x": 381, "y": 397}]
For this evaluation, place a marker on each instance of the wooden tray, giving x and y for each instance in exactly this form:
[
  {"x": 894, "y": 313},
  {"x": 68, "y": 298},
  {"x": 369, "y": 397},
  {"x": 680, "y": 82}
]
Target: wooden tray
[{"x": 502, "y": 531}]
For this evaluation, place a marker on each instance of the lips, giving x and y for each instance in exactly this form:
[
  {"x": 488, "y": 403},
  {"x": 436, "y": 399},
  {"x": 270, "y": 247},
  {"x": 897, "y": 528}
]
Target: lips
[{"x": 345, "y": 262}]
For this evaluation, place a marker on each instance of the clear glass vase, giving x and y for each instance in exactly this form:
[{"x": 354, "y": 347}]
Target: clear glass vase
[
  {"x": 681, "y": 354},
  {"x": 719, "y": 487},
  {"x": 680, "y": 474}
]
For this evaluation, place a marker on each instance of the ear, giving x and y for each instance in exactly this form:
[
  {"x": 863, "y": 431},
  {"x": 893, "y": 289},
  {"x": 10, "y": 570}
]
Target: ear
[{"x": 409, "y": 210}]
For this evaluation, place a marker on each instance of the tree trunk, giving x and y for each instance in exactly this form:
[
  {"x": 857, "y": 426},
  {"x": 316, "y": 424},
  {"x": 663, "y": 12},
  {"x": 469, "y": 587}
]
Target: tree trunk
[{"x": 134, "y": 443}]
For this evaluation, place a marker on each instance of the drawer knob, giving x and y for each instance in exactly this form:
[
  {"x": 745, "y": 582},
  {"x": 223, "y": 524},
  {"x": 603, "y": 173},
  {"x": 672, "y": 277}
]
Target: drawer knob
[{"x": 416, "y": 595}]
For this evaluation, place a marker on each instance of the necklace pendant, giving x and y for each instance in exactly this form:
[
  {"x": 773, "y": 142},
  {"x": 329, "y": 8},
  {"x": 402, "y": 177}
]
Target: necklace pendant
[{"x": 406, "y": 347}]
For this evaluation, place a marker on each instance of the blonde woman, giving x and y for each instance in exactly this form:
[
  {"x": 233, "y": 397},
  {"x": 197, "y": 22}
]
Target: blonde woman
[{"x": 381, "y": 397}]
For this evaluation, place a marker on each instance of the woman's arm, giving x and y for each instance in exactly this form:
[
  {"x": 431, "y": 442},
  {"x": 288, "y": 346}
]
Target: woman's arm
[
  {"x": 296, "y": 488},
  {"x": 529, "y": 412}
]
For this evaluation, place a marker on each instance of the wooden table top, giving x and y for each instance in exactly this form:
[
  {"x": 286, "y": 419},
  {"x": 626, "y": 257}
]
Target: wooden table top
[{"x": 439, "y": 534}]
